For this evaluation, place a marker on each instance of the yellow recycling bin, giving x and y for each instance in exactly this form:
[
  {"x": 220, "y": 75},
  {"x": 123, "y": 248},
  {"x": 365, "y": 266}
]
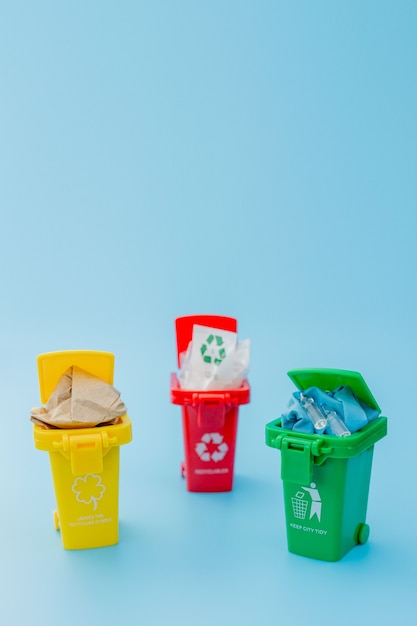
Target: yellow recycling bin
[{"x": 84, "y": 461}]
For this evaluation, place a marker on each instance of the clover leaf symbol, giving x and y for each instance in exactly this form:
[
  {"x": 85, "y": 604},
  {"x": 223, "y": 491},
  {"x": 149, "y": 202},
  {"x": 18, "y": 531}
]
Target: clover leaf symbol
[{"x": 89, "y": 489}]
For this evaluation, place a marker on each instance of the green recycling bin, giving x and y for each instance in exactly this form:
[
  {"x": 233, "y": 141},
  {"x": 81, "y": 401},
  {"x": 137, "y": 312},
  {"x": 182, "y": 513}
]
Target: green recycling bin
[{"x": 326, "y": 478}]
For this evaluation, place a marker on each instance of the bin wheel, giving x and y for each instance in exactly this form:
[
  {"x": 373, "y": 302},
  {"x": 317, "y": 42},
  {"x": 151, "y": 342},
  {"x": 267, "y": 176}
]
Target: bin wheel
[
  {"x": 363, "y": 534},
  {"x": 183, "y": 472},
  {"x": 56, "y": 519}
]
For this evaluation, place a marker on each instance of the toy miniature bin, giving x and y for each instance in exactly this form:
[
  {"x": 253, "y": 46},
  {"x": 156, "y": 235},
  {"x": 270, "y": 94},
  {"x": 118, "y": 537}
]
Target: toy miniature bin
[
  {"x": 84, "y": 461},
  {"x": 326, "y": 478},
  {"x": 209, "y": 418}
]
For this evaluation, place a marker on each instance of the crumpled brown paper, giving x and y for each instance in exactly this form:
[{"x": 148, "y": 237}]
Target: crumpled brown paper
[{"x": 80, "y": 400}]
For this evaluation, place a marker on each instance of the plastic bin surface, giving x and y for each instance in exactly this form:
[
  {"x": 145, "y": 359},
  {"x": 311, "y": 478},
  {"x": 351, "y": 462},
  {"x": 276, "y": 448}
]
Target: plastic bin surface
[
  {"x": 84, "y": 461},
  {"x": 209, "y": 418},
  {"x": 326, "y": 478}
]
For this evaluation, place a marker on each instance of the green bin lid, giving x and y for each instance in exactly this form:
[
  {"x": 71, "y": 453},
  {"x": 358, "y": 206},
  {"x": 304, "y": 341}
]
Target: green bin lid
[{"x": 330, "y": 379}]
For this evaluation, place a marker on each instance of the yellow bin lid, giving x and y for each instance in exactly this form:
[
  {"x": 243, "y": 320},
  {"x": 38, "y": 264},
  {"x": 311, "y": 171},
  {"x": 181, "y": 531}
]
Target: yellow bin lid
[{"x": 52, "y": 365}]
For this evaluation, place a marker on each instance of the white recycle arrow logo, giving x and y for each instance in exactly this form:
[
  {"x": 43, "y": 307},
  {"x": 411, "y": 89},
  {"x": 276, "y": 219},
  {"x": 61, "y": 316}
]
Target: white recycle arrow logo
[{"x": 219, "y": 452}]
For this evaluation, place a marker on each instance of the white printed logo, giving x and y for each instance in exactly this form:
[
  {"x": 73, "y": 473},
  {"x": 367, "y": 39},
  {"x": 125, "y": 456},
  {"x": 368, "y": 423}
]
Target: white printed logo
[
  {"x": 300, "y": 505},
  {"x": 212, "y": 447},
  {"x": 89, "y": 489}
]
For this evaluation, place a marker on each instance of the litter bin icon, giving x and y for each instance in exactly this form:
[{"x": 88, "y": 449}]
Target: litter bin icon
[
  {"x": 299, "y": 506},
  {"x": 84, "y": 461},
  {"x": 326, "y": 478},
  {"x": 209, "y": 418}
]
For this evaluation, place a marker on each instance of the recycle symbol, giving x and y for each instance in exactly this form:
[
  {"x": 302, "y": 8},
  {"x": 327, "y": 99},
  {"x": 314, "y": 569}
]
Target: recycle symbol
[
  {"x": 212, "y": 350},
  {"x": 212, "y": 447}
]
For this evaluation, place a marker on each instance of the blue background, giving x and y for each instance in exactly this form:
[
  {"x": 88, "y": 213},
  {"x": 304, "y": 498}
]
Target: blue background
[{"x": 253, "y": 159}]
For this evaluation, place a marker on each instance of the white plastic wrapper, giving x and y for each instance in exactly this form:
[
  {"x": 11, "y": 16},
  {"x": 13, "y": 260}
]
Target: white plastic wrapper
[{"x": 215, "y": 359}]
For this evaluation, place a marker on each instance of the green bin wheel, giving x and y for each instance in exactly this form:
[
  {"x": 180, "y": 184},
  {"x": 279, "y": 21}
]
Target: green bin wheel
[
  {"x": 56, "y": 519},
  {"x": 363, "y": 534}
]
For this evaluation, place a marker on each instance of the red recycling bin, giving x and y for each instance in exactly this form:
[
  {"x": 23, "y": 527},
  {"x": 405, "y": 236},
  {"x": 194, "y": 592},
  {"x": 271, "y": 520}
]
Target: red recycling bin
[{"x": 209, "y": 417}]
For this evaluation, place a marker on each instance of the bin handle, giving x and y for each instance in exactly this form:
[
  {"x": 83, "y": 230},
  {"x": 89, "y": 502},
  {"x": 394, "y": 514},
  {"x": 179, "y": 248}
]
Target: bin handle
[
  {"x": 298, "y": 456},
  {"x": 64, "y": 444},
  {"x": 296, "y": 460},
  {"x": 210, "y": 398},
  {"x": 318, "y": 449}
]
